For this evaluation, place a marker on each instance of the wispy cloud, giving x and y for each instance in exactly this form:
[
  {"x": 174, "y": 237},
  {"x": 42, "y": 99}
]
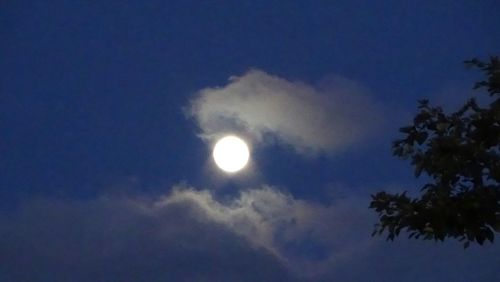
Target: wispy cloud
[
  {"x": 108, "y": 235},
  {"x": 262, "y": 234},
  {"x": 327, "y": 117},
  {"x": 130, "y": 239}
]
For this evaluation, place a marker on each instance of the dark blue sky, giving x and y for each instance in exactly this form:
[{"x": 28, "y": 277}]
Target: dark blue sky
[{"x": 93, "y": 97}]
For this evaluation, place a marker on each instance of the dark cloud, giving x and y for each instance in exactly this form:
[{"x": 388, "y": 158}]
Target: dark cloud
[
  {"x": 262, "y": 234},
  {"x": 126, "y": 240}
]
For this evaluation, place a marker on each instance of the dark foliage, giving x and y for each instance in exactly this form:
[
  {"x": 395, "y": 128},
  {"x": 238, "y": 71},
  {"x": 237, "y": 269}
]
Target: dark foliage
[{"x": 460, "y": 153}]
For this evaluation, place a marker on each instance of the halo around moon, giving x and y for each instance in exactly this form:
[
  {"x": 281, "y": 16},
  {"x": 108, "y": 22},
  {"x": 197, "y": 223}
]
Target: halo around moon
[{"x": 231, "y": 154}]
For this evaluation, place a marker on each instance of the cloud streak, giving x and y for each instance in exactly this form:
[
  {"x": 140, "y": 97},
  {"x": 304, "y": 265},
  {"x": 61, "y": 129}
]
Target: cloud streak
[
  {"x": 115, "y": 236},
  {"x": 327, "y": 117},
  {"x": 262, "y": 234},
  {"x": 178, "y": 238}
]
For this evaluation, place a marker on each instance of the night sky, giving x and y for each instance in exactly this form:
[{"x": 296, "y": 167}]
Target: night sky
[{"x": 109, "y": 111}]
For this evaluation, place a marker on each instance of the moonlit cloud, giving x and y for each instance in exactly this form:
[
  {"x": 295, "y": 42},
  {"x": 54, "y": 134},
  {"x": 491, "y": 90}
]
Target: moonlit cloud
[
  {"x": 114, "y": 238},
  {"x": 324, "y": 118},
  {"x": 191, "y": 235},
  {"x": 266, "y": 217},
  {"x": 274, "y": 220},
  {"x": 264, "y": 223}
]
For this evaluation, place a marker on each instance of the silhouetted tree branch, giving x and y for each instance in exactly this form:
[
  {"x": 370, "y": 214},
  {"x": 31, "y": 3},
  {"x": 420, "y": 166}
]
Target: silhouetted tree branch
[{"x": 460, "y": 152}]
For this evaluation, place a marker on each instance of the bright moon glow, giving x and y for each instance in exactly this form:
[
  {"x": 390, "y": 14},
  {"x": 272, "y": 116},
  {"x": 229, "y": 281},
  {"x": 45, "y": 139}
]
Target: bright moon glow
[{"x": 231, "y": 154}]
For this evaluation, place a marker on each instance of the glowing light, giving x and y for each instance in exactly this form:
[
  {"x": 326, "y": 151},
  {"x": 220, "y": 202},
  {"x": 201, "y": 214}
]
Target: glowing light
[{"x": 231, "y": 154}]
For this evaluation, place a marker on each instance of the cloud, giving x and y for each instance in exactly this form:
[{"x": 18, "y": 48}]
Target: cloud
[
  {"x": 324, "y": 118},
  {"x": 186, "y": 235},
  {"x": 273, "y": 219},
  {"x": 262, "y": 234},
  {"x": 129, "y": 239}
]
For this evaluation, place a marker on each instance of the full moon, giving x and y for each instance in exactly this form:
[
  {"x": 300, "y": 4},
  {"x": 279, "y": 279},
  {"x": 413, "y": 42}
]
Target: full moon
[{"x": 231, "y": 154}]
